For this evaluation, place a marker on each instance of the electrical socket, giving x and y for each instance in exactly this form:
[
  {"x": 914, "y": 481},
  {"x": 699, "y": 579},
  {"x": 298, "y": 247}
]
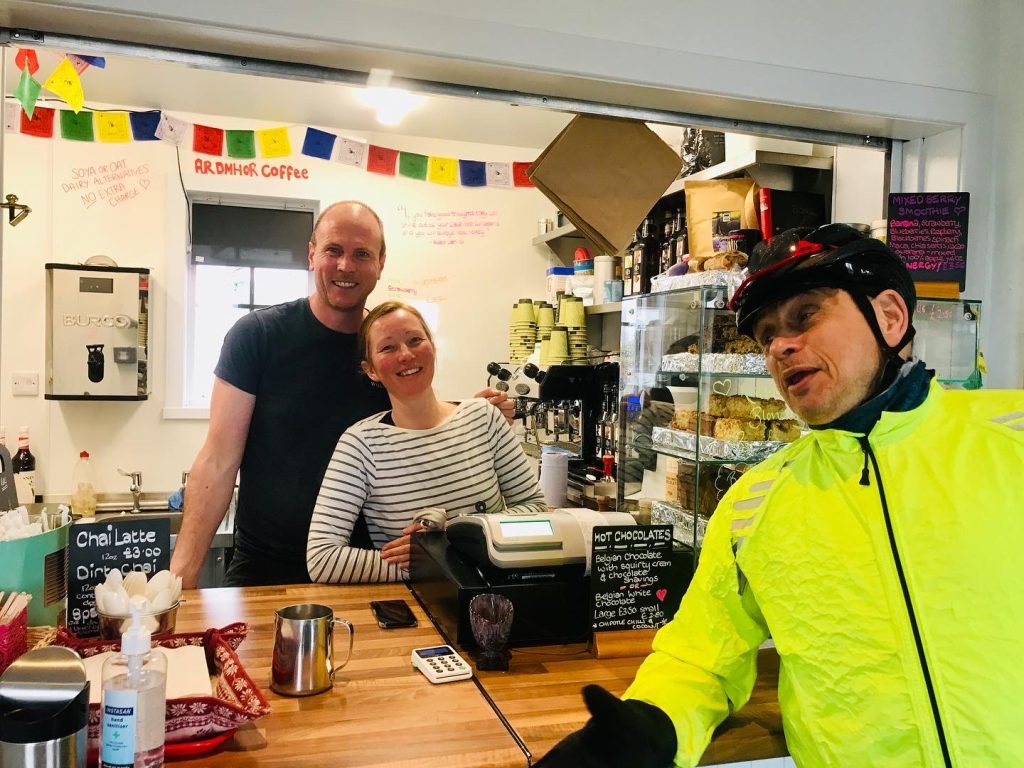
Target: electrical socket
[{"x": 25, "y": 383}]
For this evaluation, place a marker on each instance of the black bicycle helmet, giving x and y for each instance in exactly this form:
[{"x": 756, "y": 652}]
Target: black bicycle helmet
[{"x": 833, "y": 256}]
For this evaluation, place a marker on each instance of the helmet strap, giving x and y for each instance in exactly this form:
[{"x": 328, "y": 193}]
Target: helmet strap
[{"x": 892, "y": 362}]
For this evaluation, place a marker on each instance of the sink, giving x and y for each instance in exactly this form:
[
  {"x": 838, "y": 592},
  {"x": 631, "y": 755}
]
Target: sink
[{"x": 147, "y": 514}]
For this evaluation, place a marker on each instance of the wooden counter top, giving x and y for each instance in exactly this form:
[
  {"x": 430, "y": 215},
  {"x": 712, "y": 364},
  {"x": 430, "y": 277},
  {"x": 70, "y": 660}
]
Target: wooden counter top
[
  {"x": 380, "y": 712},
  {"x": 540, "y": 697}
]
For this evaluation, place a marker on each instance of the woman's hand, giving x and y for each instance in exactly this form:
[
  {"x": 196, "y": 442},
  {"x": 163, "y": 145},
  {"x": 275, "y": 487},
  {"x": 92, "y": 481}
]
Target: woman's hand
[
  {"x": 501, "y": 401},
  {"x": 397, "y": 551}
]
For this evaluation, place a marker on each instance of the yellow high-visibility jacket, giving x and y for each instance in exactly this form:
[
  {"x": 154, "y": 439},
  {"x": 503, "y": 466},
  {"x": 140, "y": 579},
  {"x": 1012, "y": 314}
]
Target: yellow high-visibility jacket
[{"x": 891, "y": 581}]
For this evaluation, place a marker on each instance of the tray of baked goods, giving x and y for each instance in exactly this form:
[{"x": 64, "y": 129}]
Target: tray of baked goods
[
  {"x": 733, "y": 428},
  {"x": 718, "y": 348}
]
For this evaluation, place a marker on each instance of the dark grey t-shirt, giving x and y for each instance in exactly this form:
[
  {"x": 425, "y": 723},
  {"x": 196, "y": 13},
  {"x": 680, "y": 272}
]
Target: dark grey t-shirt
[{"x": 309, "y": 390}]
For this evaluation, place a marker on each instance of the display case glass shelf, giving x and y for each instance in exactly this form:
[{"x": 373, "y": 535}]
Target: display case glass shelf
[
  {"x": 685, "y": 435},
  {"x": 947, "y": 339}
]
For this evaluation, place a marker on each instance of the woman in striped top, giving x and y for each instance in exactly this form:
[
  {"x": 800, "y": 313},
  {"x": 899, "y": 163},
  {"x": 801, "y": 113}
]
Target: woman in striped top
[{"x": 425, "y": 452}]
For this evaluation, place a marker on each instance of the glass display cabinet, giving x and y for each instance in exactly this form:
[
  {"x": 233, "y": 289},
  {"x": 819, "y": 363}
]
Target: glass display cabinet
[
  {"x": 947, "y": 340},
  {"x": 697, "y": 408}
]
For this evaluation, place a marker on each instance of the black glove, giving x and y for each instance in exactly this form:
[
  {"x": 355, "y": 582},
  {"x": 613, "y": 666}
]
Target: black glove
[{"x": 619, "y": 734}]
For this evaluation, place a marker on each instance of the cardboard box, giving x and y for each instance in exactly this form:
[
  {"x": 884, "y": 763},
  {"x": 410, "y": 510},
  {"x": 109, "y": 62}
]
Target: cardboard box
[{"x": 605, "y": 174}]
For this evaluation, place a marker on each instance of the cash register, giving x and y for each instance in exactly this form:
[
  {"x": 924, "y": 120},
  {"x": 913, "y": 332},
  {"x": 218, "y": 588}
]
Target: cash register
[{"x": 540, "y": 562}]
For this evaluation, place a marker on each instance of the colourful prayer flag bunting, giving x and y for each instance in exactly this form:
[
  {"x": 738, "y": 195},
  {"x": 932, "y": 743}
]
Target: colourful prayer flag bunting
[
  {"x": 40, "y": 124},
  {"x": 26, "y": 58},
  {"x": 351, "y": 151},
  {"x": 144, "y": 125},
  {"x": 27, "y": 92},
  {"x": 519, "y": 174},
  {"x": 412, "y": 165},
  {"x": 82, "y": 62},
  {"x": 66, "y": 83},
  {"x": 472, "y": 173},
  {"x": 381, "y": 160},
  {"x": 499, "y": 175},
  {"x": 241, "y": 144},
  {"x": 172, "y": 130},
  {"x": 76, "y": 126},
  {"x": 274, "y": 142},
  {"x": 443, "y": 170},
  {"x": 207, "y": 140},
  {"x": 112, "y": 127},
  {"x": 318, "y": 143}
]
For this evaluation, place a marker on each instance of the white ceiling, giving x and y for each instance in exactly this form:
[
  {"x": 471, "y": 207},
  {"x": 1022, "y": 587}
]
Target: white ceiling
[{"x": 151, "y": 84}]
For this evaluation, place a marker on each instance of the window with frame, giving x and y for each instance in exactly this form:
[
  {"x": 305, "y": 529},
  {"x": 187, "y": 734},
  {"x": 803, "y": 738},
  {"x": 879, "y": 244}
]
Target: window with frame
[{"x": 246, "y": 254}]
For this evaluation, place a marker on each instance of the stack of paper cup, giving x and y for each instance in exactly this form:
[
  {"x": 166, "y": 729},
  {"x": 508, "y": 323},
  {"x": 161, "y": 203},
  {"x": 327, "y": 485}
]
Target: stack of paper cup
[
  {"x": 522, "y": 331},
  {"x": 554, "y": 478}
]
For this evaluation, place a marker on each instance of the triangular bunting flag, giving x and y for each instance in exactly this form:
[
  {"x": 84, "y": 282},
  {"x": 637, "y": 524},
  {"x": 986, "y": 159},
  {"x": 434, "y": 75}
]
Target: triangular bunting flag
[
  {"x": 318, "y": 144},
  {"x": 207, "y": 140},
  {"x": 76, "y": 126},
  {"x": 66, "y": 83},
  {"x": 40, "y": 124},
  {"x": 519, "y": 177},
  {"x": 241, "y": 144},
  {"x": 172, "y": 130},
  {"x": 499, "y": 175},
  {"x": 381, "y": 160},
  {"x": 112, "y": 127},
  {"x": 412, "y": 165},
  {"x": 351, "y": 151},
  {"x": 144, "y": 125},
  {"x": 25, "y": 58},
  {"x": 443, "y": 170},
  {"x": 274, "y": 142},
  {"x": 27, "y": 92},
  {"x": 472, "y": 173}
]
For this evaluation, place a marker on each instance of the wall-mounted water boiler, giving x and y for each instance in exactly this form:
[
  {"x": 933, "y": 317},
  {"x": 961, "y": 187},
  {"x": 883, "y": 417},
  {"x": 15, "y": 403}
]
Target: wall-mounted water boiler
[{"x": 97, "y": 336}]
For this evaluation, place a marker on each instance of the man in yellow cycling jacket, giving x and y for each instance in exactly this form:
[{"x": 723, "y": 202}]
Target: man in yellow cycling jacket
[{"x": 880, "y": 551}]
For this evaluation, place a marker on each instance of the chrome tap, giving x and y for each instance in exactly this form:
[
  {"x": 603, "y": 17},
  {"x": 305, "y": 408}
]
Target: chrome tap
[{"x": 136, "y": 489}]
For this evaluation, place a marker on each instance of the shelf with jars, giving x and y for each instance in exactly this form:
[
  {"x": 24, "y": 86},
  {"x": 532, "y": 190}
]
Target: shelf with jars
[{"x": 697, "y": 407}]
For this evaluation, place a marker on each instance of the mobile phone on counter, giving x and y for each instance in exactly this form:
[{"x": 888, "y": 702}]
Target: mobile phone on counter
[
  {"x": 441, "y": 664},
  {"x": 392, "y": 614}
]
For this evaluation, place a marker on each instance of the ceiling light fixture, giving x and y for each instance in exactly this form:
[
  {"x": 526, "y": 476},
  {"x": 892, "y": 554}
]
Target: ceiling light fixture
[{"x": 392, "y": 104}]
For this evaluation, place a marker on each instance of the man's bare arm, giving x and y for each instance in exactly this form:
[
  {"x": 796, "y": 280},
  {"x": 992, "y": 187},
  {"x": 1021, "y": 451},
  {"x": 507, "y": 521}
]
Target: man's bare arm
[{"x": 212, "y": 478}]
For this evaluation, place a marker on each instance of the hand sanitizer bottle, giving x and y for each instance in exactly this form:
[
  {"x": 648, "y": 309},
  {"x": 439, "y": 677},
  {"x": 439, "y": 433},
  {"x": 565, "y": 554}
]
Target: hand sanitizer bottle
[{"x": 134, "y": 698}]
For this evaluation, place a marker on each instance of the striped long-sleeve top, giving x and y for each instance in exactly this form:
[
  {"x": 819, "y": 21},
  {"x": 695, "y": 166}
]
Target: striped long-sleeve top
[{"x": 391, "y": 473}]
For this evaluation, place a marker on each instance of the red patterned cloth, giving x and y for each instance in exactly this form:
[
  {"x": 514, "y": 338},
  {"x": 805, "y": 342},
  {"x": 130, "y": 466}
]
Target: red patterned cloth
[
  {"x": 236, "y": 699},
  {"x": 13, "y": 639}
]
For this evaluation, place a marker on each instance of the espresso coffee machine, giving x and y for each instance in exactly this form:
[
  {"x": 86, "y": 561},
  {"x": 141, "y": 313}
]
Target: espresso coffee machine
[{"x": 571, "y": 407}]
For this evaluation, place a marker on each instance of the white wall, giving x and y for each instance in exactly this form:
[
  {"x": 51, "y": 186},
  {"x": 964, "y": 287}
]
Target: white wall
[{"x": 470, "y": 281}]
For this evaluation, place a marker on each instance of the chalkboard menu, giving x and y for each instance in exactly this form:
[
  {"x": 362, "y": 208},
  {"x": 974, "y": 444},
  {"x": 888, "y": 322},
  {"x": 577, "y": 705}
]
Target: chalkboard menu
[
  {"x": 630, "y": 576},
  {"x": 95, "y": 548},
  {"x": 928, "y": 231}
]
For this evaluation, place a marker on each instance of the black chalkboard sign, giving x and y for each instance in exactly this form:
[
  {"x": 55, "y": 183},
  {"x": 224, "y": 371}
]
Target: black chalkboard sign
[
  {"x": 94, "y": 548},
  {"x": 928, "y": 230},
  {"x": 630, "y": 576}
]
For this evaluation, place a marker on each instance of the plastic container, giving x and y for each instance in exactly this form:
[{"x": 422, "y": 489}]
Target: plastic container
[
  {"x": 134, "y": 702},
  {"x": 557, "y": 280},
  {"x": 604, "y": 271},
  {"x": 83, "y": 489}
]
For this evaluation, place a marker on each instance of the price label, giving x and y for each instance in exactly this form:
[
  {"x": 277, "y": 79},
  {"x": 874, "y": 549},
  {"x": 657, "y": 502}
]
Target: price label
[
  {"x": 95, "y": 548},
  {"x": 630, "y": 576}
]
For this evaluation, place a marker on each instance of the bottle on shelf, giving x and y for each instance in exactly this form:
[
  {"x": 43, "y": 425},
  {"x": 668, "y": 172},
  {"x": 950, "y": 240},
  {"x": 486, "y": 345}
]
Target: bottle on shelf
[
  {"x": 667, "y": 234},
  {"x": 133, "y": 701},
  {"x": 83, "y": 490},
  {"x": 680, "y": 242},
  {"x": 23, "y": 463},
  {"x": 646, "y": 256}
]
